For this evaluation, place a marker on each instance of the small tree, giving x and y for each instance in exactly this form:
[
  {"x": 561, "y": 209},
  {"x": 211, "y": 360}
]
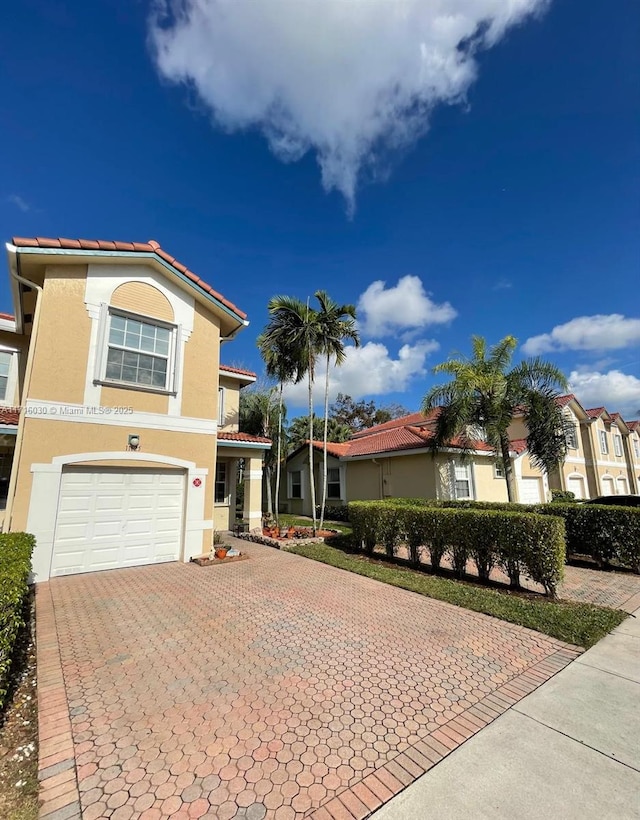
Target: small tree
[{"x": 485, "y": 394}]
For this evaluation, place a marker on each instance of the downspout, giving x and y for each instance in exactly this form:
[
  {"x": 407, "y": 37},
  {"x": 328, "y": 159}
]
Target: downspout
[{"x": 15, "y": 274}]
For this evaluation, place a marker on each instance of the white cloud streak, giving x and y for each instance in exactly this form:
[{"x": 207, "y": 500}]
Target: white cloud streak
[
  {"x": 600, "y": 332},
  {"x": 353, "y": 80},
  {"x": 19, "y": 202},
  {"x": 369, "y": 370},
  {"x": 618, "y": 392},
  {"x": 406, "y": 307}
]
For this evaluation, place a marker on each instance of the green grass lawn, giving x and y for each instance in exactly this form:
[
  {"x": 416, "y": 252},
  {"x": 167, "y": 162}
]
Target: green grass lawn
[
  {"x": 299, "y": 521},
  {"x": 579, "y": 624}
]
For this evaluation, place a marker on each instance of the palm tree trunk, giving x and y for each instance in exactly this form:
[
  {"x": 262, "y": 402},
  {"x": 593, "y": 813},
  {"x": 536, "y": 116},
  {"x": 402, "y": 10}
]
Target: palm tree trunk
[
  {"x": 279, "y": 456},
  {"x": 267, "y": 471},
  {"x": 312, "y": 478},
  {"x": 324, "y": 445},
  {"x": 508, "y": 469}
]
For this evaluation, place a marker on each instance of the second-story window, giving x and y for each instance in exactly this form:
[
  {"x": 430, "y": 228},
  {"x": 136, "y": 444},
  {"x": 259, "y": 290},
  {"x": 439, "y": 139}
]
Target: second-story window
[
  {"x": 5, "y": 367},
  {"x": 139, "y": 351},
  {"x": 636, "y": 448},
  {"x": 617, "y": 445},
  {"x": 604, "y": 444}
]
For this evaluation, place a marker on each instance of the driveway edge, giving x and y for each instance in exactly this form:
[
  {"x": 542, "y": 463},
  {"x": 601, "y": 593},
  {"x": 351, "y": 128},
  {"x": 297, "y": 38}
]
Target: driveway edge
[
  {"x": 59, "y": 795},
  {"x": 365, "y": 797}
]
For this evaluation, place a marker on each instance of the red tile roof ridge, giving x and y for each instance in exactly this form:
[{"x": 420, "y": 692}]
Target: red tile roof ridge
[
  {"x": 135, "y": 247},
  {"x": 9, "y": 415},
  {"x": 229, "y": 369},
  {"x": 402, "y": 421},
  {"x": 236, "y": 436},
  {"x": 518, "y": 445},
  {"x": 8, "y": 316},
  {"x": 594, "y": 412}
]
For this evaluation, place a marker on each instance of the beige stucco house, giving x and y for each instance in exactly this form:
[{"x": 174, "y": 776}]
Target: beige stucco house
[
  {"x": 395, "y": 460},
  {"x": 123, "y": 445}
]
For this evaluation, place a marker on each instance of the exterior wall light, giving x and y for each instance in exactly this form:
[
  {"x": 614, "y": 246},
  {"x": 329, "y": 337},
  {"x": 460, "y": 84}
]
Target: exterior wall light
[{"x": 133, "y": 442}]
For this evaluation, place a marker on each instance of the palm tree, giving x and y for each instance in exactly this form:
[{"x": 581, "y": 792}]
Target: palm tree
[
  {"x": 279, "y": 365},
  {"x": 292, "y": 333},
  {"x": 336, "y": 325},
  {"x": 257, "y": 417},
  {"x": 483, "y": 397}
]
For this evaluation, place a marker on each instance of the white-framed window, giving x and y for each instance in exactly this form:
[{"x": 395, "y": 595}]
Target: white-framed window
[
  {"x": 221, "y": 491},
  {"x": 295, "y": 484},
  {"x": 571, "y": 438},
  {"x": 498, "y": 470},
  {"x": 604, "y": 444},
  {"x": 221, "y": 406},
  {"x": 140, "y": 352},
  {"x": 617, "y": 445},
  {"x": 333, "y": 483},
  {"x": 6, "y": 360},
  {"x": 636, "y": 448},
  {"x": 462, "y": 481}
]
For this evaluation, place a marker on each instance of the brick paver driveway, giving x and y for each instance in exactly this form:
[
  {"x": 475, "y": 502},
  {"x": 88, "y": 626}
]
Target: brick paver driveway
[{"x": 274, "y": 687}]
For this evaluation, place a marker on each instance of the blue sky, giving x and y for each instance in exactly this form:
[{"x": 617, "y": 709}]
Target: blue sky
[{"x": 286, "y": 147}]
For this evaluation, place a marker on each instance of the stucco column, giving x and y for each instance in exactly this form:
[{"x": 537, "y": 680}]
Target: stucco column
[{"x": 253, "y": 492}]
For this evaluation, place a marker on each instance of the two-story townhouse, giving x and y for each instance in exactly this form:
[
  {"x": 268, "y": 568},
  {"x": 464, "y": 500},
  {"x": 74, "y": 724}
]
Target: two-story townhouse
[
  {"x": 633, "y": 450},
  {"x": 610, "y": 471},
  {"x": 115, "y": 360}
]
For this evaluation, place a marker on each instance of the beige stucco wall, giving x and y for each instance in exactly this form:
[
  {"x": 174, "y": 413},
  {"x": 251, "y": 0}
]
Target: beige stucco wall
[
  {"x": 201, "y": 361},
  {"x": 140, "y": 297},
  {"x": 300, "y": 461},
  {"x": 45, "y": 439},
  {"x": 62, "y": 342},
  {"x": 231, "y": 416},
  {"x": 487, "y": 486}
]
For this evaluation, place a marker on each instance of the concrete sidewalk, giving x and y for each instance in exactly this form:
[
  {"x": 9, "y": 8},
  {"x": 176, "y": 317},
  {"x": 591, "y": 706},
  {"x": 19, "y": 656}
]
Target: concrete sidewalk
[{"x": 571, "y": 749}]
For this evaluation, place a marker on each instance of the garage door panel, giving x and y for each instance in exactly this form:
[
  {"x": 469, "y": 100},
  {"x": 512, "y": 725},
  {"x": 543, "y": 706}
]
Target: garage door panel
[
  {"x": 530, "y": 490},
  {"x": 108, "y": 519}
]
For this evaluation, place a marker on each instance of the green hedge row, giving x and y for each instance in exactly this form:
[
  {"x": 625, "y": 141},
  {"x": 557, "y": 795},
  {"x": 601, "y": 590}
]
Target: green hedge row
[
  {"x": 605, "y": 533},
  {"x": 15, "y": 566},
  {"x": 521, "y": 543}
]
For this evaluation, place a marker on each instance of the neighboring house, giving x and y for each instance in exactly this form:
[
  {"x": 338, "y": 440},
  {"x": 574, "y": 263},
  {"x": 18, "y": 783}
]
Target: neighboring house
[
  {"x": 633, "y": 449},
  {"x": 117, "y": 456},
  {"x": 394, "y": 460}
]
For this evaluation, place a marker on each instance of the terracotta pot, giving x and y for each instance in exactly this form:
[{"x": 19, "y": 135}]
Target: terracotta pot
[{"x": 221, "y": 552}]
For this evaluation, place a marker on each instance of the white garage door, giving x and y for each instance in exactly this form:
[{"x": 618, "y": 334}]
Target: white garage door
[
  {"x": 530, "y": 491},
  {"x": 608, "y": 487},
  {"x": 576, "y": 486},
  {"x": 112, "y": 518}
]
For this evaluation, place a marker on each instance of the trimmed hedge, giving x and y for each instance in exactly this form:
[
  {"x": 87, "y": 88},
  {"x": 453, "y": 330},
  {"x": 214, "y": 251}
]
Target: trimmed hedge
[
  {"x": 15, "y": 566},
  {"x": 336, "y": 512},
  {"x": 520, "y": 542},
  {"x": 606, "y": 533}
]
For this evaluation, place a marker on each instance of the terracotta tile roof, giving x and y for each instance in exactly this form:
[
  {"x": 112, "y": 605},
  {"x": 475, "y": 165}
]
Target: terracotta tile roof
[
  {"x": 334, "y": 448},
  {"x": 9, "y": 415},
  {"x": 130, "y": 247},
  {"x": 8, "y": 316},
  {"x": 243, "y": 437},
  {"x": 563, "y": 401},
  {"x": 634, "y": 425},
  {"x": 518, "y": 445},
  {"x": 403, "y": 421},
  {"x": 238, "y": 370},
  {"x": 594, "y": 412}
]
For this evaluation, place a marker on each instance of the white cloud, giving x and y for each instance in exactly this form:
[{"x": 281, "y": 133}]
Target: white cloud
[
  {"x": 618, "y": 392},
  {"x": 368, "y": 371},
  {"x": 406, "y": 306},
  {"x": 587, "y": 333},
  {"x": 19, "y": 202},
  {"x": 351, "y": 79}
]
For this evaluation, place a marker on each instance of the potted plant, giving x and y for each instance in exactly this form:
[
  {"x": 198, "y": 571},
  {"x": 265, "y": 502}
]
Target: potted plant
[{"x": 219, "y": 548}]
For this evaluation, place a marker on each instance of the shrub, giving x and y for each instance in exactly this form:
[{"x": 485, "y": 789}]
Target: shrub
[
  {"x": 521, "y": 542},
  {"x": 338, "y": 512},
  {"x": 15, "y": 566},
  {"x": 606, "y": 533},
  {"x": 562, "y": 496}
]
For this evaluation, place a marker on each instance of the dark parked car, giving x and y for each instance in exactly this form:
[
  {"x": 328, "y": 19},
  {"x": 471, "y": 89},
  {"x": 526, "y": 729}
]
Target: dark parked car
[{"x": 617, "y": 500}]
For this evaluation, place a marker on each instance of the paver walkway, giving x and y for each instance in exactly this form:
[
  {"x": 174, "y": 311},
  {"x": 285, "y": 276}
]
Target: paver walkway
[{"x": 275, "y": 687}]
